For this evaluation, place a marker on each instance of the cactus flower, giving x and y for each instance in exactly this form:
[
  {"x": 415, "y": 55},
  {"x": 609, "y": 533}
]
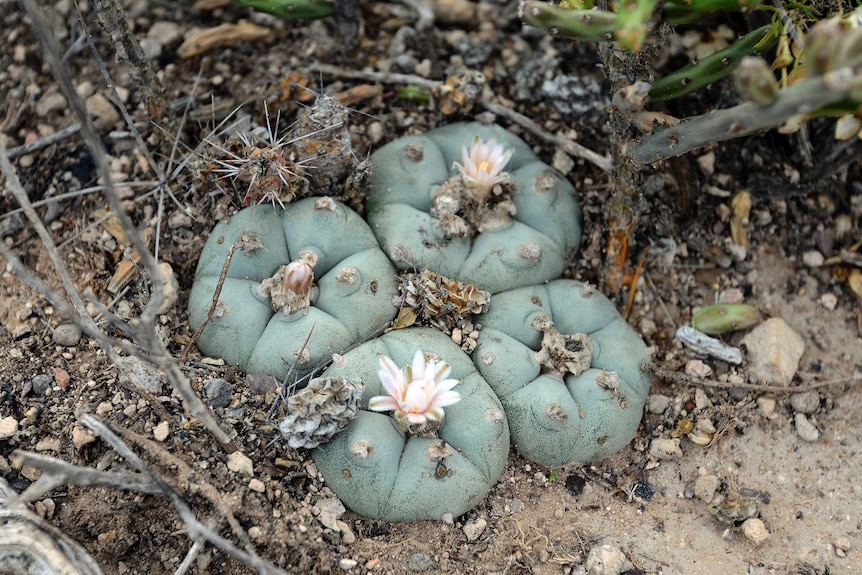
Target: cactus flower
[
  {"x": 418, "y": 393},
  {"x": 483, "y": 164}
]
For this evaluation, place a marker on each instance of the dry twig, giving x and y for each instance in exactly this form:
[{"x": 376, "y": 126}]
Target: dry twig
[{"x": 668, "y": 375}]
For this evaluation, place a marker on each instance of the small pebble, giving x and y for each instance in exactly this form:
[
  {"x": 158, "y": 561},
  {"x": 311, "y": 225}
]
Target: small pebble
[
  {"x": 67, "y": 335},
  {"x": 829, "y": 301},
  {"x": 766, "y": 405},
  {"x": 103, "y": 112},
  {"x": 701, "y": 399},
  {"x": 805, "y": 429},
  {"x": 41, "y": 383},
  {"x": 256, "y": 485},
  {"x": 813, "y": 259},
  {"x": 419, "y": 562},
  {"x": 82, "y": 437},
  {"x": 841, "y": 546},
  {"x": 657, "y": 403},
  {"x": 806, "y": 402},
  {"x": 170, "y": 288},
  {"x": 774, "y": 350},
  {"x": 474, "y": 529},
  {"x": 254, "y": 532},
  {"x": 61, "y": 378},
  {"x": 218, "y": 392},
  {"x": 697, "y": 368},
  {"x": 161, "y": 431},
  {"x": 448, "y": 518},
  {"x": 239, "y": 462},
  {"x": 49, "y": 444},
  {"x": 607, "y": 560},
  {"x": 705, "y": 487},
  {"x": 665, "y": 449},
  {"x": 347, "y": 564},
  {"x": 755, "y": 530},
  {"x": 8, "y": 427}
]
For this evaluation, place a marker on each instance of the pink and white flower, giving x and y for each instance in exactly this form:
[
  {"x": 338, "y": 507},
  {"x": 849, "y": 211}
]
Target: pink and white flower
[
  {"x": 483, "y": 164},
  {"x": 418, "y": 393}
]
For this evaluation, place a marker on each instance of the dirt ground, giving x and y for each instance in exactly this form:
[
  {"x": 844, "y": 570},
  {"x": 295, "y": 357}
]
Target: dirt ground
[{"x": 660, "y": 511}]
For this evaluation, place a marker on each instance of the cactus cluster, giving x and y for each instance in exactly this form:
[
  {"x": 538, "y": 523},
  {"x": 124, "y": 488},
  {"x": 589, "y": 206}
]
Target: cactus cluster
[{"x": 479, "y": 227}]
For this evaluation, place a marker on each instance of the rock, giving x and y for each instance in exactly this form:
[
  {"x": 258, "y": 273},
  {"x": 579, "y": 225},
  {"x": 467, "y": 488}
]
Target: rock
[
  {"x": 218, "y": 392},
  {"x": 67, "y": 335},
  {"x": 256, "y": 485},
  {"x": 62, "y": 378},
  {"x": 41, "y": 383},
  {"x": 805, "y": 429},
  {"x": 701, "y": 399},
  {"x": 657, "y": 403},
  {"x": 82, "y": 437},
  {"x": 474, "y": 529},
  {"x": 705, "y": 487},
  {"x": 665, "y": 449},
  {"x": 8, "y": 427},
  {"x": 49, "y": 444},
  {"x": 239, "y": 462},
  {"x": 105, "y": 115},
  {"x": 755, "y": 531},
  {"x": 813, "y": 259},
  {"x": 607, "y": 560},
  {"x": 164, "y": 33},
  {"x": 696, "y": 368},
  {"x": 140, "y": 375},
  {"x": 328, "y": 511},
  {"x": 347, "y": 564},
  {"x": 841, "y": 546},
  {"x": 170, "y": 288},
  {"x": 419, "y": 562},
  {"x": 347, "y": 536},
  {"x": 774, "y": 350},
  {"x": 161, "y": 431},
  {"x": 829, "y": 301},
  {"x": 50, "y": 102},
  {"x": 766, "y": 405},
  {"x": 805, "y": 402}
]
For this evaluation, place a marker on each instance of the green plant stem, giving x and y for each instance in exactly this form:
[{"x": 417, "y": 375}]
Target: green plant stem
[{"x": 804, "y": 98}]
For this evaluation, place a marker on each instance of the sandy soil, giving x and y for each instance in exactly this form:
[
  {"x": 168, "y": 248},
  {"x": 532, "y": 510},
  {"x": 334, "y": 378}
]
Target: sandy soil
[{"x": 660, "y": 511}]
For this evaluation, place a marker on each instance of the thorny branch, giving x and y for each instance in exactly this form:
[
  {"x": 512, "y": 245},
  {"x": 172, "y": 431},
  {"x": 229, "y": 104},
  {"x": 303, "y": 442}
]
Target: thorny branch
[{"x": 668, "y": 375}]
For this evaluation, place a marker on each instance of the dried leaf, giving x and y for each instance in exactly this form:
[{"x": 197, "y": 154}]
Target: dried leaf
[{"x": 201, "y": 41}]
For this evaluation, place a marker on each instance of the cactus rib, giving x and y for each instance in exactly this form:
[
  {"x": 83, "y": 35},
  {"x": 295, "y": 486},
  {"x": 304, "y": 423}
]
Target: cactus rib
[{"x": 586, "y": 25}]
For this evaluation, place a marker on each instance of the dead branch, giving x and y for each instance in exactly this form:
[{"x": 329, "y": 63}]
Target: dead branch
[
  {"x": 32, "y": 546},
  {"x": 144, "y": 326},
  {"x": 668, "y": 375}
]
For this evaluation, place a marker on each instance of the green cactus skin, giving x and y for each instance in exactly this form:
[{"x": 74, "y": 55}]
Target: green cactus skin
[
  {"x": 584, "y": 25},
  {"x": 402, "y": 185},
  {"x": 249, "y": 334},
  {"x": 596, "y": 422},
  {"x": 291, "y": 9},
  {"x": 713, "y": 68},
  {"x": 807, "y": 98},
  {"x": 397, "y": 481}
]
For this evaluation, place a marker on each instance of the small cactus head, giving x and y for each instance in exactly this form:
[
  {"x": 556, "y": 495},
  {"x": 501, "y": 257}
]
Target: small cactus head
[
  {"x": 482, "y": 165},
  {"x": 417, "y": 394}
]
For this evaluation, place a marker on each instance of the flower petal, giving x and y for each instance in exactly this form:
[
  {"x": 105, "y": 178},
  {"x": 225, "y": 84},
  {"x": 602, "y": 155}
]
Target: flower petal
[
  {"x": 445, "y": 399},
  {"x": 442, "y": 371},
  {"x": 391, "y": 377},
  {"x": 383, "y": 403},
  {"x": 416, "y": 400},
  {"x": 416, "y": 418},
  {"x": 434, "y": 414},
  {"x": 418, "y": 366}
]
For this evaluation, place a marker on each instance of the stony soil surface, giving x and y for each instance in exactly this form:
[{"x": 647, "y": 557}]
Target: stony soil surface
[{"x": 790, "y": 462}]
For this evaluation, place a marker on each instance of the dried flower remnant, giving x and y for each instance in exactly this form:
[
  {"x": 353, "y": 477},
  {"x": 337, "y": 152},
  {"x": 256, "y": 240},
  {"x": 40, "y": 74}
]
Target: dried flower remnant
[
  {"x": 478, "y": 197},
  {"x": 429, "y": 299},
  {"x": 561, "y": 353},
  {"x": 320, "y": 410},
  {"x": 290, "y": 288},
  {"x": 417, "y": 394}
]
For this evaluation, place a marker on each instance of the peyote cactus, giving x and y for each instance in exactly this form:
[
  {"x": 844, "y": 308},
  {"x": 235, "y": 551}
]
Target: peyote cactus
[
  {"x": 567, "y": 368},
  {"x": 416, "y": 463},
  {"x": 314, "y": 271},
  {"x": 443, "y": 201}
]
